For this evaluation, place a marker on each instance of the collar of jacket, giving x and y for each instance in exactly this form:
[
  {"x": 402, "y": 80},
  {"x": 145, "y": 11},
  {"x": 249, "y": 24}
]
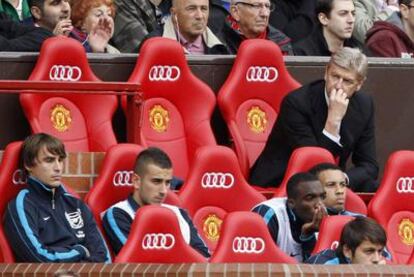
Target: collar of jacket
[
  {"x": 209, "y": 38},
  {"x": 131, "y": 201},
  {"x": 43, "y": 189}
]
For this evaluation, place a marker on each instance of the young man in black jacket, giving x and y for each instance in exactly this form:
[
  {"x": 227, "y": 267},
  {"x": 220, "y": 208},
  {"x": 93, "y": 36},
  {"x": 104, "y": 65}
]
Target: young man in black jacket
[
  {"x": 45, "y": 223},
  {"x": 17, "y": 37}
]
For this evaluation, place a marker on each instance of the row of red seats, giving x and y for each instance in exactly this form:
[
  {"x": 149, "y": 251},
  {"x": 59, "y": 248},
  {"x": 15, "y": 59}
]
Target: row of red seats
[
  {"x": 177, "y": 106},
  {"x": 208, "y": 202}
]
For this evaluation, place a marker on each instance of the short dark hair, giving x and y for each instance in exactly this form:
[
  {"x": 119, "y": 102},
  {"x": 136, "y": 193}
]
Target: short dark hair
[
  {"x": 294, "y": 182},
  {"x": 324, "y": 6},
  {"x": 33, "y": 143},
  {"x": 317, "y": 169},
  {"x": 360, "y": 229},
  {"x": 404, "y": 2},
  {"x": 37, "y": 3},
  {"x": 151, "y": 155}
]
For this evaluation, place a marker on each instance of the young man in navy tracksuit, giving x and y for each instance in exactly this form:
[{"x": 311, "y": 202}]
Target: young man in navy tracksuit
[
  {"x": 152, "y": 179},
  {"x": 45, "y": 223}
]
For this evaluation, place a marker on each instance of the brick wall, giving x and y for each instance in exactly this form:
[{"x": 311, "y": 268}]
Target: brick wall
[{"x": 196, "y": 270}]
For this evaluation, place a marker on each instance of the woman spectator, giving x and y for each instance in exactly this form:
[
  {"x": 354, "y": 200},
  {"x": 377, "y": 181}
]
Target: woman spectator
[{"x": 94, "y": 24}]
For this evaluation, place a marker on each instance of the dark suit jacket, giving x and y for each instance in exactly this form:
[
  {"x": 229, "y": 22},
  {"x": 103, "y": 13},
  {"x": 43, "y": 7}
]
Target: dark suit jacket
[{"x": 300, "y": 123}]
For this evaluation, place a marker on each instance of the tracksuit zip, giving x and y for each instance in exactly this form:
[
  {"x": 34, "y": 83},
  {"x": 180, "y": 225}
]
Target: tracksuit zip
[{"x": 53, "y": 199}]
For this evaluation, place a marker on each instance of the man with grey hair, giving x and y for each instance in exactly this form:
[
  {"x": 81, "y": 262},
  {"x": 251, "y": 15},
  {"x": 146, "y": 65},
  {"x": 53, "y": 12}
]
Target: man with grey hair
[
  {"x": 249, "y": 19},
  {"x": 187, "y": 24},
  {"x": 329, "y": 113}
]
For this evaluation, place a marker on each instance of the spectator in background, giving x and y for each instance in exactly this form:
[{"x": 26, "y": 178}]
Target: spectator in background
[
  {"x": 250, "y": 19},
  {"x": 395, "y": 36},
  {"x": 335, "y": 183},
  {"x": 367, "y": 12},
  {"x": 45, "y": 223},
  {"x": 15, "y": 36},
  {"x": 362, "y": 241},
  {"x": 18, "y": 10},
  {"x": 53, "y": 15},
  {"x": 94, "y": 23},
  {"x": 334, "y": 30},
  {"x": 330, "y": 113},
  {"x": 219, "y": 10},
  {"x": 387, "y": 4},
  {"x": 188, "y": 25},
  {"x": 295, "y": 18},
  {"x": 151, "y": 180},
  {"x": 293, "y": 222},
  {"x": 133, "y": 21}
]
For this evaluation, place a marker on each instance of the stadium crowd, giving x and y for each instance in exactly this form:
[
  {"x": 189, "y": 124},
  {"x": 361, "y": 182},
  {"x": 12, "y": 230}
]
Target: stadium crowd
[
  {"x": 380, "y": 28},
  {"x": 45, "y": 223}
]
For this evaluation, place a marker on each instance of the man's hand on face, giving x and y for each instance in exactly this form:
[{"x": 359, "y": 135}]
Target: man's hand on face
[
  {"x": 338, "y": 104},
  {"x": 63, "y": 27},
  {"x": 100, "y": 35},
  {"x": 313, "y": 226}
]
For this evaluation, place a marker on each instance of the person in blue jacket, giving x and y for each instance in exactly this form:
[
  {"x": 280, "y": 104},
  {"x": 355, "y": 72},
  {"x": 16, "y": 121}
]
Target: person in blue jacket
[
  {"x": 45, "y": 223},
  {"x": 152, "y": 178},
  {"x": 362, "y": 241}
]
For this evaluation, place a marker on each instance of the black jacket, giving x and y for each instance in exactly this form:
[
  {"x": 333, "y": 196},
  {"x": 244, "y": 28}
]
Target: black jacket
[
  {"x": 301, "y": 121},
  {"x": 233, "y": 39},
  {"x": 295, "y": 18},
  {"x": 315, "y": 44},
  {"x": 15, "y": 36},
  {"x": 42, "y": 226}
]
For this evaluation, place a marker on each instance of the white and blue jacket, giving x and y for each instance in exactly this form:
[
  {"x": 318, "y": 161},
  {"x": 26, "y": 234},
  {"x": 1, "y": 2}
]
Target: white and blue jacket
[
  {"x": 45, "y": 225},
  {"x": 118, "y": 218}
]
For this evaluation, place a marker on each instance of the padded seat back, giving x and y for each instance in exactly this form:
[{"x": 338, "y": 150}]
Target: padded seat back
[
  {"x": 216, "y": 186},
  {"x": 251, "y": 96},
  {"x": 76, "y": 119},
  {"x": 177, "y": 105},
  {"x": 303, "y": 159},
  {"x": 156, "y": 237},
  {"x": 114, "y": 182},
  {"x": 330, "y": 232},
  {"x": 246, "y": 239},
  {"x": 393, "y": 206}
]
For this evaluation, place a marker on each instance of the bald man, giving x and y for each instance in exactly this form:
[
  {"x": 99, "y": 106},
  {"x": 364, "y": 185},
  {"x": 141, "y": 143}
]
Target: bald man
[{"x": 187, "y": 24}]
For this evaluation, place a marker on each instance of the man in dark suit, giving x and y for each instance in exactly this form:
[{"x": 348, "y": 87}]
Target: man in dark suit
[{"x": 328, "y": 113}]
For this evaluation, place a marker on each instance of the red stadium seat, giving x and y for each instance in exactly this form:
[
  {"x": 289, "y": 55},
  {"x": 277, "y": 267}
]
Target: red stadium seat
[
  {"x": 251, "y": 96},
  {"x": 12, "y": 180},
  {"x": 114, "y": 182},
  {"x": 246, "y": 239},
  {"x": 82, "y": 122},
  {"x": 177, "y": 105},
  {"x": 214, "y": 187},
  {"x": 303, "y": 159},
  {"x": 393, "y": 206},
  {"x": 156, "y": 238},
  {"x": 330, "y": 232}
]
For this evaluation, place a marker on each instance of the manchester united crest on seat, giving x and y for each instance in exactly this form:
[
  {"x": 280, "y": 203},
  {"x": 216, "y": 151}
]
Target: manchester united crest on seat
[
  {"x": 61, "y": 118},
  {"x": 159, "y": 118},
  {"x": 406, "y": 231},
  {"x": 256, "y": 119}
]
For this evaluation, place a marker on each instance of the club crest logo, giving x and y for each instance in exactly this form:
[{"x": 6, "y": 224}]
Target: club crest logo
[
  {"x": 75, "y": 219},
  {"x": 211, "y": 227},
  {"x": 256, "y": 120},
  {"x": 159, "y": 118},
  {"x": 60, "y": 118},
  {"x": 406, "y": 231}
]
